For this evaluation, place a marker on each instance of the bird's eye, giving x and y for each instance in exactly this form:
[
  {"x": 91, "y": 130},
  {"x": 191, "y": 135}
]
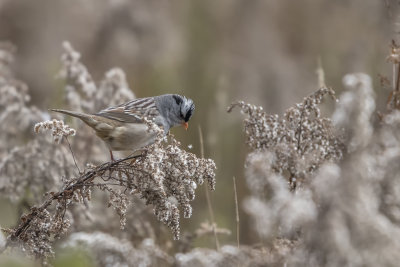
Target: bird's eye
[
  {"x": 178, "y": 99},
  {"x": 189, "y": 113}
]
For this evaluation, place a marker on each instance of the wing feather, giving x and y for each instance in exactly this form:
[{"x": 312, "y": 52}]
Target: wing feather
[{"x": 133, "y": 111}]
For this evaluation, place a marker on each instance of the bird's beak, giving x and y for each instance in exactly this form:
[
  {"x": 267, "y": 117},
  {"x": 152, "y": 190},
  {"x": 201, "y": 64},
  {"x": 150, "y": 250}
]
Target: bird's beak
[{"x": 185, "y": 125}]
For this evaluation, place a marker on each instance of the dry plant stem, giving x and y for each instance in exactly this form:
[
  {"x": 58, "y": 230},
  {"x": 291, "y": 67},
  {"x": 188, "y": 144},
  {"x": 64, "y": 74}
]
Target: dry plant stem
[
  {"x": 210, "y": 209},
  {"x": 320, "y": 74},
  {"x": 394, "y": 75},
  {"x": 394, "y": 97},
  {"x": 73, "y": 155},
  {"x": 397, "y": 77},
  {"x": 83, "y": 180},
  {"x": 237, "y": 213},
  {"x": 201, "y": 142}
]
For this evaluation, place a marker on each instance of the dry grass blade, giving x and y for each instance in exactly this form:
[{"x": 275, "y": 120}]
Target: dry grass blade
[
  {"x": 209, "y": 205},
  {"x": 237, "y": 213}
]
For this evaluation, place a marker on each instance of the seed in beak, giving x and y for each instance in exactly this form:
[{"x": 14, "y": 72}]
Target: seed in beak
[{"x": 185, "y": 125}]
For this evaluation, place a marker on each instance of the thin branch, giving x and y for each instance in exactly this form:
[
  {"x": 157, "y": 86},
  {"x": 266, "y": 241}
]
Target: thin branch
[
  {"x": 237, "y": 213},
  {"x": 201, "y": 142},
  {"x": 398, "y": 77},
  {"x": 210, "y": 209},
  {"x": 73, "y": 155},
  {"x": 394, "y": 76}
]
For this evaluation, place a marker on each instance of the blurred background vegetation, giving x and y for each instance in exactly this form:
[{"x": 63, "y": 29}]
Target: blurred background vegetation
[{"x": 215, "y": 52}]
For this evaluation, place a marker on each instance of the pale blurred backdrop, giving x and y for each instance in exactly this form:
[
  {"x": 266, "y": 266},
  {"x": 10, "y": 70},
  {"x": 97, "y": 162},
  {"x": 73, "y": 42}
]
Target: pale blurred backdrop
[{"x": 215, "y": 52}]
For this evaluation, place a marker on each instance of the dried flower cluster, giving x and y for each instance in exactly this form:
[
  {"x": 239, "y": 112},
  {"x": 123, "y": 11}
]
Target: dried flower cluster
[
  {"x": 167, "y": 178},
  {"x": 80, "y": 89},
  {"x": 15, "y": 114},
  {"x": 37, "y": 167},
  {"x": 58, "y": 129},
  {"x": 82, "y": 94},
  {"x": 33, "y": 166},
  {"x": 299, "y": 141}
]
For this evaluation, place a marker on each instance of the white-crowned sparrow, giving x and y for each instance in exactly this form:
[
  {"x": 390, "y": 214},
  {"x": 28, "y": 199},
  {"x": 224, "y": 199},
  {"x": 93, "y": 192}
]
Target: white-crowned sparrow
[{"x": 122, "y": 127}]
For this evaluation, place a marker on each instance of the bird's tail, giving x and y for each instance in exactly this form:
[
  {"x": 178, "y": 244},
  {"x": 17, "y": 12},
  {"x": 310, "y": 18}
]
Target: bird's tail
[
  {"x": 79, "y": 115},
  {"x": 91, "y": 120},
  {"x": 86, "y": 118}
]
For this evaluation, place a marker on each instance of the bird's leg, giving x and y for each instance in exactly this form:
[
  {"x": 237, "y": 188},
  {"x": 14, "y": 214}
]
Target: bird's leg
[
  {"x": 112, "y": 161},
  {"x": 111, "y": 155}
]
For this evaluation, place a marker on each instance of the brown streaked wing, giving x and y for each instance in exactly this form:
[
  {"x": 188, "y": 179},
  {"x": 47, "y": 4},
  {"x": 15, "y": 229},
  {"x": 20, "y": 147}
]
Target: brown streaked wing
[{"x": 133, "y": 111}]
